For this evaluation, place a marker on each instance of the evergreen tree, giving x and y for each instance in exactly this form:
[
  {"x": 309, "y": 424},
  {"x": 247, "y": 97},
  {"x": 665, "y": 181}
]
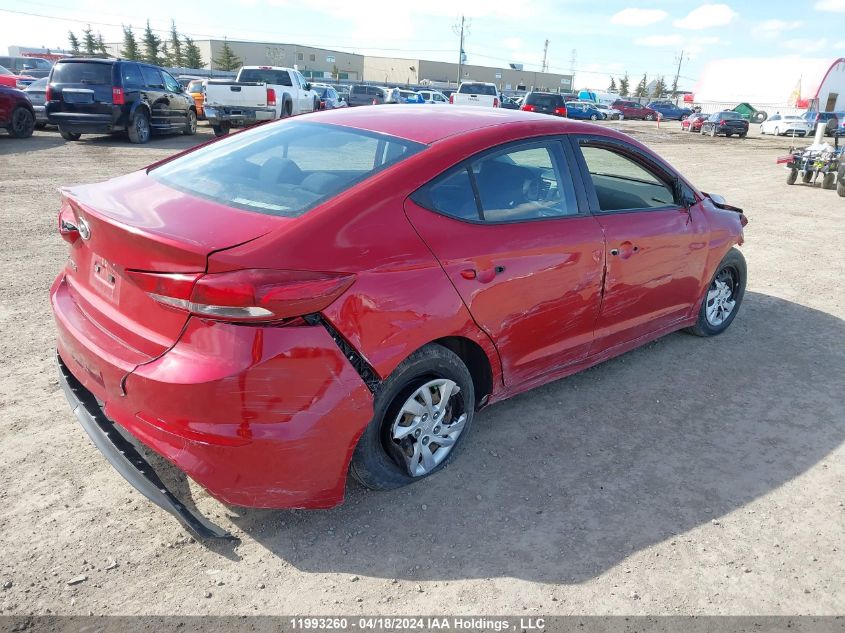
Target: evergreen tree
[
  {"x": 74, "y": 42},
  {"x": 659, "y": 88},
  {"x": 227, "y": 59},
  {"x": 152, "y": 45},
  {"x": 165, "y": 58},
  {"x": 624, "y": 86},
  {"x": 675, "y": 87},
  {"x": 642, "y": 87},
  {"x": 100, "y": 45},
  {"x": 177, "y": 58},
  {"x": 130, "y": 45},
  {"x": 612, "y": 87},
  {"x": 89, "y": 43},
  {"x": 193, "y": 57}
]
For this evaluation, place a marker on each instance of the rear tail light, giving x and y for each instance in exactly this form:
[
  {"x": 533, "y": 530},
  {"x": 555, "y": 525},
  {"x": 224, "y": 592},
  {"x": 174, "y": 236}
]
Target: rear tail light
[
  {"x": 255, "y": 295},
  {"x": 528, "y": 107},
  {"x": 322, "y": 104},
  {"x": 722, "y": 122},
  {"x": 560, "y": 111},
  {"x": 495, "y": 102},
  {"x": 452, "y": 98},
  {"x": 48, "y": 94},
  {"x": 117, "y": 96},
  {"x": 271, "y": 97}
]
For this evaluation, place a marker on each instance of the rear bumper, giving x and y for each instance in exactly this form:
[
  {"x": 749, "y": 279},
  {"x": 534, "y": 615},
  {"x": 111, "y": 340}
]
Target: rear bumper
[
  {"x": 85, "y": 123},
  {"x": 238, "y": 116}
]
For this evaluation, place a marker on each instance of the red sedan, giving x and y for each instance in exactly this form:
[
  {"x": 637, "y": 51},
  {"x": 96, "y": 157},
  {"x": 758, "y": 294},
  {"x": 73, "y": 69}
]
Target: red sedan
[
  {"x": 343, "y": 291},
  {"x": 11, "y": 80},
  {"x": 693, "y": 123}
]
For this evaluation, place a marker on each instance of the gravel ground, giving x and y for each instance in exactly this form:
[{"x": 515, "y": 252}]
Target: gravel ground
[{"x": 691, "y": 476}]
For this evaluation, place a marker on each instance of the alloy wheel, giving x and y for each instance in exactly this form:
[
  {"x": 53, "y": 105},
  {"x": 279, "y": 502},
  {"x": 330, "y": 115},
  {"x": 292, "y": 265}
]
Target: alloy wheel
[
  {"x": 721, "y": 297},
  {"x": 428, "y": 426},
  {"x": 142, "y": 127},
  {"x": 21, "y": 121}
]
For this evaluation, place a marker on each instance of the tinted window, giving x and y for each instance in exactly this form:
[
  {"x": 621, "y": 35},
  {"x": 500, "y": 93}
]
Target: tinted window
[
  {"x": 152, "y": 77},
  {"x": 82, "y": 73},
  {"x": 622, "y": 183},
  {"x": 453, "y": 196},
  {"x": 266, "y": 75},
  {"x": 478, "y": 89},
  {"x": 171, "y": 83},
  {"x": 131, "y": 74},
  {"x": 283, "y": 170},
  {"x": 195, "y": 86},
  {"x": 543, "y": 100},
  {"x": 5, "y": 71},
  {"x": 729, "y": 115},
  {"x": 34, "y": 62}
]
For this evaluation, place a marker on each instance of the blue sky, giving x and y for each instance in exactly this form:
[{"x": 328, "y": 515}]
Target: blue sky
[{"x": 608, "y": 37}]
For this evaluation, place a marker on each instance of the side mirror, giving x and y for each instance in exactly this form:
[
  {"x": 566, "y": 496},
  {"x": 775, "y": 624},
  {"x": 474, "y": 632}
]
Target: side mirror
[{"x": 307, "y": 86}]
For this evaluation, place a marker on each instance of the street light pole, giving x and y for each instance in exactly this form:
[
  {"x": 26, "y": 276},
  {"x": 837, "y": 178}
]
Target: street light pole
[{"x": 461, "y": 55}]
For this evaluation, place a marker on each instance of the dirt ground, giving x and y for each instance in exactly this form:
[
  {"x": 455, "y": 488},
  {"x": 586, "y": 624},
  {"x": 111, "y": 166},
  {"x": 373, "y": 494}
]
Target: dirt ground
[{"x": 691, "y": 476}]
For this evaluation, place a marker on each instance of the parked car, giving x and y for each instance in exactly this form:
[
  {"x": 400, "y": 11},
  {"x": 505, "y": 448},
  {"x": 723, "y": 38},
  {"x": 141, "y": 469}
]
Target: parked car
[
  {"x": 509, "y": 103},
  {"x": 109, "y": 96},
  {"x": 196, "y": 90},
  {"x": 367, "y": 95},
  {"x": 829, "y": 119},
  {"x": 17, "y": 116},
  {"x": 282, "y": 343},
  {"x": 434, "y": 96},
  {"x": 36, "y": 92},
  {"x": 610, "y": 113},
  {"x": 11, "y": 80},
  {"x": 634, "y": 110},
  {"x": 544, "y": 103},
  {"x": 343, "y": 92},
  {"x": 34, "y": 67},
  {"x": 727, "y": 122},
  {"x": 693, "y": 122},
  {"x": 409, "y": 96},
  {"x": 257, "y": 94},
  {"x": 477, "y": 93},
  {"x": 328, "y": 96},
  {"x": 788, "y": 124},
  {"x": 598, "y": 97},
  {"x": 669, "y": 111},
  {"x": 583, "y": 110}
]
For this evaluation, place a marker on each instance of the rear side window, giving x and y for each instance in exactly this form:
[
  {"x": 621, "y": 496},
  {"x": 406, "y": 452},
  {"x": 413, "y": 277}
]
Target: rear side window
[
  {"x": 283, "y": 170},
  {"x": 266, "y": 75},
  {"x": 152, "y": 77},
  {"x": 82, "y": 73},
  {"x": 131, "y": 74},
  {"x": 478, "y": 89}
]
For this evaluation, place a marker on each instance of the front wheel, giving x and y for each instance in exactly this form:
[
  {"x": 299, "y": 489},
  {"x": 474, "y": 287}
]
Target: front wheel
[
  {"x": 22, "y": 123},
  {"x": 724, "y": 296},
  {"x": 829, "y": 181},
  {"x": 792, "y": 177},
  {"x": 594, "y": 117},
  {"x": 649, "y": 117},
  {"x": 807, "y": 177},
  {"x": 713, "y": 131},
  {"x": 422, "y": 413}
]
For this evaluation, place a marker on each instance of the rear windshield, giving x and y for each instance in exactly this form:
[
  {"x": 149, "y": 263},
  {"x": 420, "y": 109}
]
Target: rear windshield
[
  {"x": 5, "y": 71},
  {"x": 81, "y": 73},
  {"x": 544, "y": 101},
  {"x": 195, "y": 86},
  {"x": 267, "y": 76},
  {"x": 730, "y": 115},
  {"x": 478, "y": 89},
  {"x": 284, "y": 169}
]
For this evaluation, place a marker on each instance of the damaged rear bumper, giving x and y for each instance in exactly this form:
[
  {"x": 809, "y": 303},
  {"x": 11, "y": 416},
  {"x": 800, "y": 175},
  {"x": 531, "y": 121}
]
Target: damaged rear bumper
[{"x": 126, "y": 459}]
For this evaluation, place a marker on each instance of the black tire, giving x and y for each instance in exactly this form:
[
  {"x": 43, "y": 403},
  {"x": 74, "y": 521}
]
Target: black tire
[
  {"x": 374, "y": 463},
  {"x": 287, "y": 109},
  {"x": 21, "y": 123},
  {"x": 649, "y": 117},
  {"x": 743, "y": 135},
  {"x": 829, "y": 181},
  {"x": 840, "y": 187},
  {"x": 733, "y": 262},
  {"x": 139, "y": 129},
  {"x": 222, "y": 129},
  {"x": 70, "y": 136},
  {"x": 190, "y": 123},
  {"x": 807, "y": 177},
  {"x": 728, "y": 134},
  {"x": 40, "y": 126},
  {"x": 759, "y": 116},
  {"x": 792, "y": 177}
]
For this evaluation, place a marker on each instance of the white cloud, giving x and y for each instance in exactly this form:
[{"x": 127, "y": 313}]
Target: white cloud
[
  {"x": 638, "y": 17},
  {"x": 836, "y": 6},
  {"x": 513, "y": 43},
  {"x": 772, "y": 29},
  {"x": 707, "y": 16},
  {"x": 659, "y": 40},
  {"x": 807, "y": 45}
]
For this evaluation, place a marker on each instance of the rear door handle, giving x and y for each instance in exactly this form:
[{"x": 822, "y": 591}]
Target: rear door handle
[{"x": 484, "y": 276}]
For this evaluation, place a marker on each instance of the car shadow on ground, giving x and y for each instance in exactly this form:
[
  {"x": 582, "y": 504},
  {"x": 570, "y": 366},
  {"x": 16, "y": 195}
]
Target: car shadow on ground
[
  {"x": 50, "y": 139},
  {"x": 564, "y": 482}
]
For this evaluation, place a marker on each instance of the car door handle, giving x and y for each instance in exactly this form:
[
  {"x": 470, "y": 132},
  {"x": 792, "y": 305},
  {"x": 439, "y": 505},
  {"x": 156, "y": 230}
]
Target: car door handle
[
  {"x": 484, "y": 276},
  {"x": 626, "y": 249}
]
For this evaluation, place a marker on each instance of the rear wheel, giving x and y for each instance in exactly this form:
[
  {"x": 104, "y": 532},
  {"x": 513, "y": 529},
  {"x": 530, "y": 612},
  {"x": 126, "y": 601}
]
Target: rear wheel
[
  {"x": 807, "y": 177},
  {"x": 840, "y": 187},
  {"x": 792, "y": 177},
  {"x": 287, "y": 109},
  {"x": 222, "y": 129},
  {"x": 139, "y": 129},
  {"x": 777, "y": 131},
  {"x": 594, "y": 117},
  {"x": 22, "y": 123},
  {"x": 724, "y": 296},
  {"x": 829, "y": 181},
  {"x": 422, "y": 413},
  {"x": 69, "y": 136},
  {"x": 190, "y": 124},
  {"x": 713, "y": 131},
  {"x": 649, "y": 117}
]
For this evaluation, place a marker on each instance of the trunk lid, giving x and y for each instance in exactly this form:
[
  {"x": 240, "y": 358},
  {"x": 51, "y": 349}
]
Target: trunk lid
[
  {"x": 84, "y": 86},
  {"x": 134, "y": 223},
  {"x": 219, "y": 92}
]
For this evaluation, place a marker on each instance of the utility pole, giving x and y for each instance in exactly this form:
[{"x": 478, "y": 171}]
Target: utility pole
[
  {"x": 572, "y": 61},
  {"x": 461, "y": 49},
  {"x": 677, "y": 75},
  {"x": 545, "y": 65}
]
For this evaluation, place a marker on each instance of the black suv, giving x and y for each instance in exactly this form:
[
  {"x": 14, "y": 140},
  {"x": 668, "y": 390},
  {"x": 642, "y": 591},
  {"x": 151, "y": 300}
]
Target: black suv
[
  {"x": 105, "y": 96},
  {"x": 366, "y": 95}
]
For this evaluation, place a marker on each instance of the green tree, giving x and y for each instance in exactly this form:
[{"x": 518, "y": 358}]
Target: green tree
[
  {"x": 624, "y": 86},
  {"x": 177, "y": 57},
  {"x": 675, "y": 87},
  {"x": 193, "y": 57},
  {"x": 152, "y": 46},
  {"x": 659, "y": 88},
  {"x": 642, "y": 87},
  {"x": 100, "y": 45},
  {"x": 612, "y": 87},
  {"x": 165, "y": 59},
  {"x": 74, "y": 42},
  {"x": 129, "y": 50},
  {"x": 89, "y": 42},
  {"x": 227, "y": 59}
]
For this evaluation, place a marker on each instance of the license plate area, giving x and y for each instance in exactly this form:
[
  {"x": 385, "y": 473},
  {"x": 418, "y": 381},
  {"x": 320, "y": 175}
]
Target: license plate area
[
  {"x": 104, "y": 278},
  {"x": 71, "y": 95}
]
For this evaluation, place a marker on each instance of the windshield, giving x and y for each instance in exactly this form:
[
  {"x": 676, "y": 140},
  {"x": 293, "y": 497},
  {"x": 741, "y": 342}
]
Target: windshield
[
  {"x": 81, "y": 73},
  {"x": 478, "y": 89},
  {"x": 284, "y": 169},
  {"x": 37, "y": 63},
  {"x": 265, "y": 75},
  {"x": 195, "y": 86},
  {"x": 5, "y": 71}
]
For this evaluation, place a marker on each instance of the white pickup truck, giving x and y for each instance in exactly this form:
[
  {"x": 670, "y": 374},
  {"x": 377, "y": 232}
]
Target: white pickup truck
[
  {"x": 477, "y": 93},
  {"x": 259, "y": 93}
]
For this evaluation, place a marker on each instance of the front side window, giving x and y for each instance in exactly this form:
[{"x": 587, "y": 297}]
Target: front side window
[
  {"x": 622, "y": 183},
  {"x": 171, "y": 83},
  {"x": 285, "y": 169},
  {"x": 527, "y": 182}
]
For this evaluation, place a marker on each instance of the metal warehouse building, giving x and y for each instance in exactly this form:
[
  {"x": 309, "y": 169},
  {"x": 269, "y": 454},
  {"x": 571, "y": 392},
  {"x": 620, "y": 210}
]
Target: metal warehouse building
[{"x": 789, "y": 84}]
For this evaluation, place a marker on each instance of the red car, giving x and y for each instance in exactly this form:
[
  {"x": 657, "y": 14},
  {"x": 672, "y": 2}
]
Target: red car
[
  {"x": 11, "y": 80},
  {"x": 693, "y": 123},
  {"x": 16, "y": 113},
  {"x": 343, "y": 291},
  {"x": 633, "y": 110}
]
